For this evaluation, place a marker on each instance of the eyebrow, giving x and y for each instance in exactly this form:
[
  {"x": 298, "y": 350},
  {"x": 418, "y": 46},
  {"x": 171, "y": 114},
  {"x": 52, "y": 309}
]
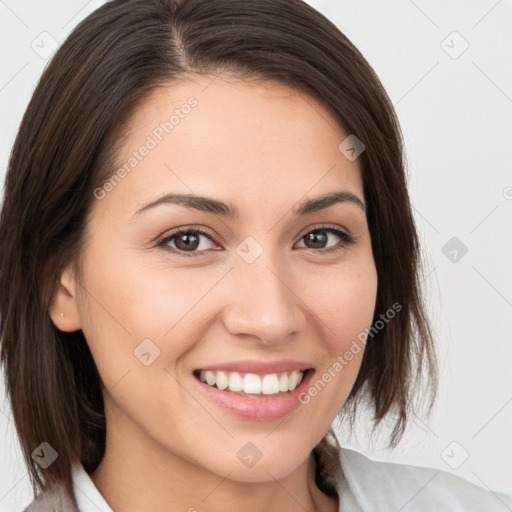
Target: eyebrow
[{"x": 229, "y": 210}]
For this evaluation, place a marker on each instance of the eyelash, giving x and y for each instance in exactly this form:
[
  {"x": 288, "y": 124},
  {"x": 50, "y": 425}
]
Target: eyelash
[{"x": 347, "y": 240}]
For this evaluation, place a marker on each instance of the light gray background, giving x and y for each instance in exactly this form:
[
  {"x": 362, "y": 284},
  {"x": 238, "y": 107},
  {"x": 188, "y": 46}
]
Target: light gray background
[{"x": 456, "y": 115}]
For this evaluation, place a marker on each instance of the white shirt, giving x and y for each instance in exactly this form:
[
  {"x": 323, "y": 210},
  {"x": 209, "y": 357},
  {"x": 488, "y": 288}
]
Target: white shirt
[
  {"x": 373, "y": 486},
  {"x": 366, "y": 485}
]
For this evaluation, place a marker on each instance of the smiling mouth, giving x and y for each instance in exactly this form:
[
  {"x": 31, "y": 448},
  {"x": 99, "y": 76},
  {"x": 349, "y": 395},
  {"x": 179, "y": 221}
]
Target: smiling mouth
[{"x": 271, "y": 384}]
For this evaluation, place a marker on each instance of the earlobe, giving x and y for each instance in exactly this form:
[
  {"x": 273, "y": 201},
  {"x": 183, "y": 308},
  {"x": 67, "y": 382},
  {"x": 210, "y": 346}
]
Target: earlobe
[{"x": 64, "y": 310}]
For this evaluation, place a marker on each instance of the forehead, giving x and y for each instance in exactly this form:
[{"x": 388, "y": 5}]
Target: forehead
[{"x": 236, "y": 139}]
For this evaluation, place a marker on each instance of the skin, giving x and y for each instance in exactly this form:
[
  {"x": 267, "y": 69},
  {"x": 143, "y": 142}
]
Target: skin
[{"x": 265, "y": 148}]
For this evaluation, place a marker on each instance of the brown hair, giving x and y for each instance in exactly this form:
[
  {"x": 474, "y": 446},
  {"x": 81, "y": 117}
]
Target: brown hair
[{"x": 66, "y": 146}]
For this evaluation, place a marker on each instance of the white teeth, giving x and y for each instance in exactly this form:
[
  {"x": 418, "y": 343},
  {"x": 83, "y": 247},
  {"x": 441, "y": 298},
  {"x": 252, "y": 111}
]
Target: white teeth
[
  {"x": 283, "y": 382},
  {"x": 253, "y": 384},
  {"x": 235, "y": 382},
  {"x": 221, "y": 379},
  {"x": 293, "y": 380},
  {"x": 270, "y": 384},
  {"x": 210, "y": 378}
]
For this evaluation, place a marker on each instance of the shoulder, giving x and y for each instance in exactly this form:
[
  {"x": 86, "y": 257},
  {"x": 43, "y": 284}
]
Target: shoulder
[
  {"x": 389, "y": 486},
  {"x": 86, "y": 497},
  {"x": 57, "y": 501}
]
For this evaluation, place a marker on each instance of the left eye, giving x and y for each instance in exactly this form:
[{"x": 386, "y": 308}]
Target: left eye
[
  {"x": 319, "y": 236},
  {"x": 188, "y": 242}
]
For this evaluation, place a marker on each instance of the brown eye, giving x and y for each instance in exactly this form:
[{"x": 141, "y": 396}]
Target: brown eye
[
  {"x": 318, "y": 239},
  {"x": 187, "y": 242}
]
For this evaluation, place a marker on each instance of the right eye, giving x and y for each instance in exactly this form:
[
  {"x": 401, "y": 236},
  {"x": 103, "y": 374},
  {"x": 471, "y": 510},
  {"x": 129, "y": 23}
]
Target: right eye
[{"x": 186, "y": 242}]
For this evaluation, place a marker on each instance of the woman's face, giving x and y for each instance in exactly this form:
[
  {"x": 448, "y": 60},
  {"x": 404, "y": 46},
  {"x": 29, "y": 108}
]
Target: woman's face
[{"x": 253, "y": 298}]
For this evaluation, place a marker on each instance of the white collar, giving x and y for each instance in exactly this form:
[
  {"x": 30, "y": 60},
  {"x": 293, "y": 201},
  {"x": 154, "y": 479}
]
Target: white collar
[{"x": 87, "y": 495}]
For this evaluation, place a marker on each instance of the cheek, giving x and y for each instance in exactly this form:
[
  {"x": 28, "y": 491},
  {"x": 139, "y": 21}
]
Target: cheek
[
  {"x": 345, "y": 308},
  {"x": 133, "y": 308},
  {"x": 344, "y": 300}
]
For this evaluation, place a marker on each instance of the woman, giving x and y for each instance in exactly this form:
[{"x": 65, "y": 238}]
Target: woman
[{"x": 208, "y": 254}]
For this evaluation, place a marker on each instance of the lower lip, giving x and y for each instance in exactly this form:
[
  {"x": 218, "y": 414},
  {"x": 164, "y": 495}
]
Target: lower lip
[{"x": 257, "y": 407}]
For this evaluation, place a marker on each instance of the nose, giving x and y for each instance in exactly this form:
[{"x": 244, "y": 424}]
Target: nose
[{"x": 263, "y": 302}]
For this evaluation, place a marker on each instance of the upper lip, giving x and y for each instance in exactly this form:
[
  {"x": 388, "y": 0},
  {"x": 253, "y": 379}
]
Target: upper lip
[{"x": 259, "y": 367}]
